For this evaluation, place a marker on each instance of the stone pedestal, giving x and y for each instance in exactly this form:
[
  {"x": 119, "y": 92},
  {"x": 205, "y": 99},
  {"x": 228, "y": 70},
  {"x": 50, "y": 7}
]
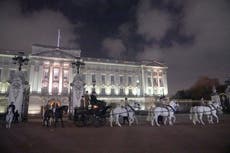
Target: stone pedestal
[{"x": 77, "y": 92}]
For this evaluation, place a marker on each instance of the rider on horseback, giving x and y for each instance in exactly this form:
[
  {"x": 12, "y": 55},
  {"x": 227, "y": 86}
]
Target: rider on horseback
[
  {"x": 12, "y": 106},
  {"x": 95, "y": 101}
]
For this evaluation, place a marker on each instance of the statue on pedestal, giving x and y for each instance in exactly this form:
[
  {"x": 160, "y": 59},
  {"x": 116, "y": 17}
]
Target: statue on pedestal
[
  {"x": 16, "y": 90},
  {"x": 77, "y": 91}
]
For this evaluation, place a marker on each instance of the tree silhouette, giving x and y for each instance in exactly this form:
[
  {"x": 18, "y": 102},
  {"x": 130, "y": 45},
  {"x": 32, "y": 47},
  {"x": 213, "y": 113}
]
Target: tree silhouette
[{"x": 202, "y": 88}]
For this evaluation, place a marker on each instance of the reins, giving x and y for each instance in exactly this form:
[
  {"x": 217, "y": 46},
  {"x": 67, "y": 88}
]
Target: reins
[
  {"x": 171, "y": 108},
  {"x": 127, "y": 111},
  {"x": 168, "y": 110}
]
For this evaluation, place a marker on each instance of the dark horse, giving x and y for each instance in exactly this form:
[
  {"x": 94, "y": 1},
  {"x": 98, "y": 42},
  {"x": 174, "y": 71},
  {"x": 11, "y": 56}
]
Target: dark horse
[
  {"x": 55, "y": 115},
  {"x": 48, "y": 117},
  {"x": 58, "y": 114}
]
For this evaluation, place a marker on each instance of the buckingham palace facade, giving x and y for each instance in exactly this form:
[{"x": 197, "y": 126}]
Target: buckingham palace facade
[{"x": 50, "y": 72}]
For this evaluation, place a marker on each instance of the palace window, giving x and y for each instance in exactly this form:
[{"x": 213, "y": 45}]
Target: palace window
[
  {"x": 149, "y": 82},
  {"x": 154, "y": 73},
  {"x": 65, "y": 75},
  {"x": 46, "y": 74},
  {"x": 122, "y": 91},
  {"x": 103, "y": 79},
  {"x": 160, "y": 73},
  {"x": 93, "y": 77},
  {"x": 155, "y": 83},
  {"x": 102, "y": 91},
  {"x": 56, "y": 74},
  {"x": 121, "y": 80},
  {"x": 130, "y": 92},
  {"x": 129, "y": 80},
  {"x": 112, "y": 91},
  {"x": 161, "y": 82},
  {"x": 112, "y": 80}
]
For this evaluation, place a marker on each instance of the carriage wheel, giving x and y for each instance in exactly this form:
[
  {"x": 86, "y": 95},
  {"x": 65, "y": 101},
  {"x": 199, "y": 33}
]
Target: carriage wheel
[
  {"x": 89, "y": 120},
  {"x": 96, "y": 121},
  {"x": 103, "y": 121},
  {"x": 160, "y": 120},
  {"x": 99, "y": 121},
  {"x": 79, "y": 120}
]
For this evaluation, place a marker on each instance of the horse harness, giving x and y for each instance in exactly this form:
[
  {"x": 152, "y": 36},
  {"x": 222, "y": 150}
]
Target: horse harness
[
  {"x": 169, "y": 108},
  {"x": 127, "y": 111},
  {"x": 214, "y": 108},
  {"x": 130, "y": 108}
]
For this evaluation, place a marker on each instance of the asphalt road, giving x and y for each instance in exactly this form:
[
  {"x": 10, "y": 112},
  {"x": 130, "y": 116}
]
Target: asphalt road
[{"x": 183, "y": 137}]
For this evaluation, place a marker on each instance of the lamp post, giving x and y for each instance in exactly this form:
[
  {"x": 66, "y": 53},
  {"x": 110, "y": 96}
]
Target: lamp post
[
  {"x": 20, "y": 60},
  {"x": 94, "y": 83},
  {"x": 78, "y": 64}
]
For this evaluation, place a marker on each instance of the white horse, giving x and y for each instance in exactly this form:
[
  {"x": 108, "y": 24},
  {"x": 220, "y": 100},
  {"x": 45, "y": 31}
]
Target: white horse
[
  {"x": 9, "y": 117},
  {"x": 124, "y": 111},
  {"x": 167, "y": 112},
  {"x": 197, "y": 112}
]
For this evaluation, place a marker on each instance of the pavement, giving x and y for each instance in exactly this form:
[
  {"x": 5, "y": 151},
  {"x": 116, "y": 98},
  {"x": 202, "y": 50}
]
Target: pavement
[{"x": 183, "y": 137}]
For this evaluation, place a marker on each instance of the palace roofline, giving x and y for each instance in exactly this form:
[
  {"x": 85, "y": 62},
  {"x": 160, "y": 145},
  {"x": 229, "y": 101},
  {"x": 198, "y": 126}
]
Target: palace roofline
[
  {"x": 38, "y": 49},
  {"x": 55, "y": 47},
  {"x": 144, "y": 62}
]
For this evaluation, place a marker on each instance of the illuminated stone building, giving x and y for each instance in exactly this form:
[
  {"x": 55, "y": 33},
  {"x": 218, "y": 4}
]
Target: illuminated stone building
[{"x": 50, "y": 74}]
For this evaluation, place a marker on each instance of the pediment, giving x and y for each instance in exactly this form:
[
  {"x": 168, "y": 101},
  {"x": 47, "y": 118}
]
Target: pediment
[{"x": 50, "y": 51}]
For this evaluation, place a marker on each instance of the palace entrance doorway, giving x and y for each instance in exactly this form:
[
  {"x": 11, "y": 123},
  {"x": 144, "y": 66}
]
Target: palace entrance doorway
[{"x": 52, "y": 102}]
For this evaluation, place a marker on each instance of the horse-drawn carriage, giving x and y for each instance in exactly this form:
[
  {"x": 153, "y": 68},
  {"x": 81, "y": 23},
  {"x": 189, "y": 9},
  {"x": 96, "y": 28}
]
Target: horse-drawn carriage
[{"x": 94, "y": 114}]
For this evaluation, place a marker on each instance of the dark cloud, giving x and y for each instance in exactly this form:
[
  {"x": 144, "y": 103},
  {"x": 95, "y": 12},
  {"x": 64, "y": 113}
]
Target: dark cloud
[
  {"x": 209, "y": 24},
  {"x": 152, "y": 23},
  {"x": 113, "y": 47},
  {"x": 19, "y": 31},
  {"x": 191, "y": 36}
]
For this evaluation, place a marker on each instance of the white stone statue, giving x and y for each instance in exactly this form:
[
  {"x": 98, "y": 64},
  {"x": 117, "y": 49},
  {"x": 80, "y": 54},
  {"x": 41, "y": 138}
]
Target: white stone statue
[
  {"x": 77, "y": 90},
  {"x": 16, "y": 90}
]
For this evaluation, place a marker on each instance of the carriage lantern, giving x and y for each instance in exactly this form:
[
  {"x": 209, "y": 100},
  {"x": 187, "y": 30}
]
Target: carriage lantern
[
  {"x": 20, "y": 60},
  {"x": 78, "y": 64}
]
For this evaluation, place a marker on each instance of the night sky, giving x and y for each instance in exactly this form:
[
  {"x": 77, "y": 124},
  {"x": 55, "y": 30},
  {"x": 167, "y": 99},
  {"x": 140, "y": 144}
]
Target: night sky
[{"x": 192, "y": 37}]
